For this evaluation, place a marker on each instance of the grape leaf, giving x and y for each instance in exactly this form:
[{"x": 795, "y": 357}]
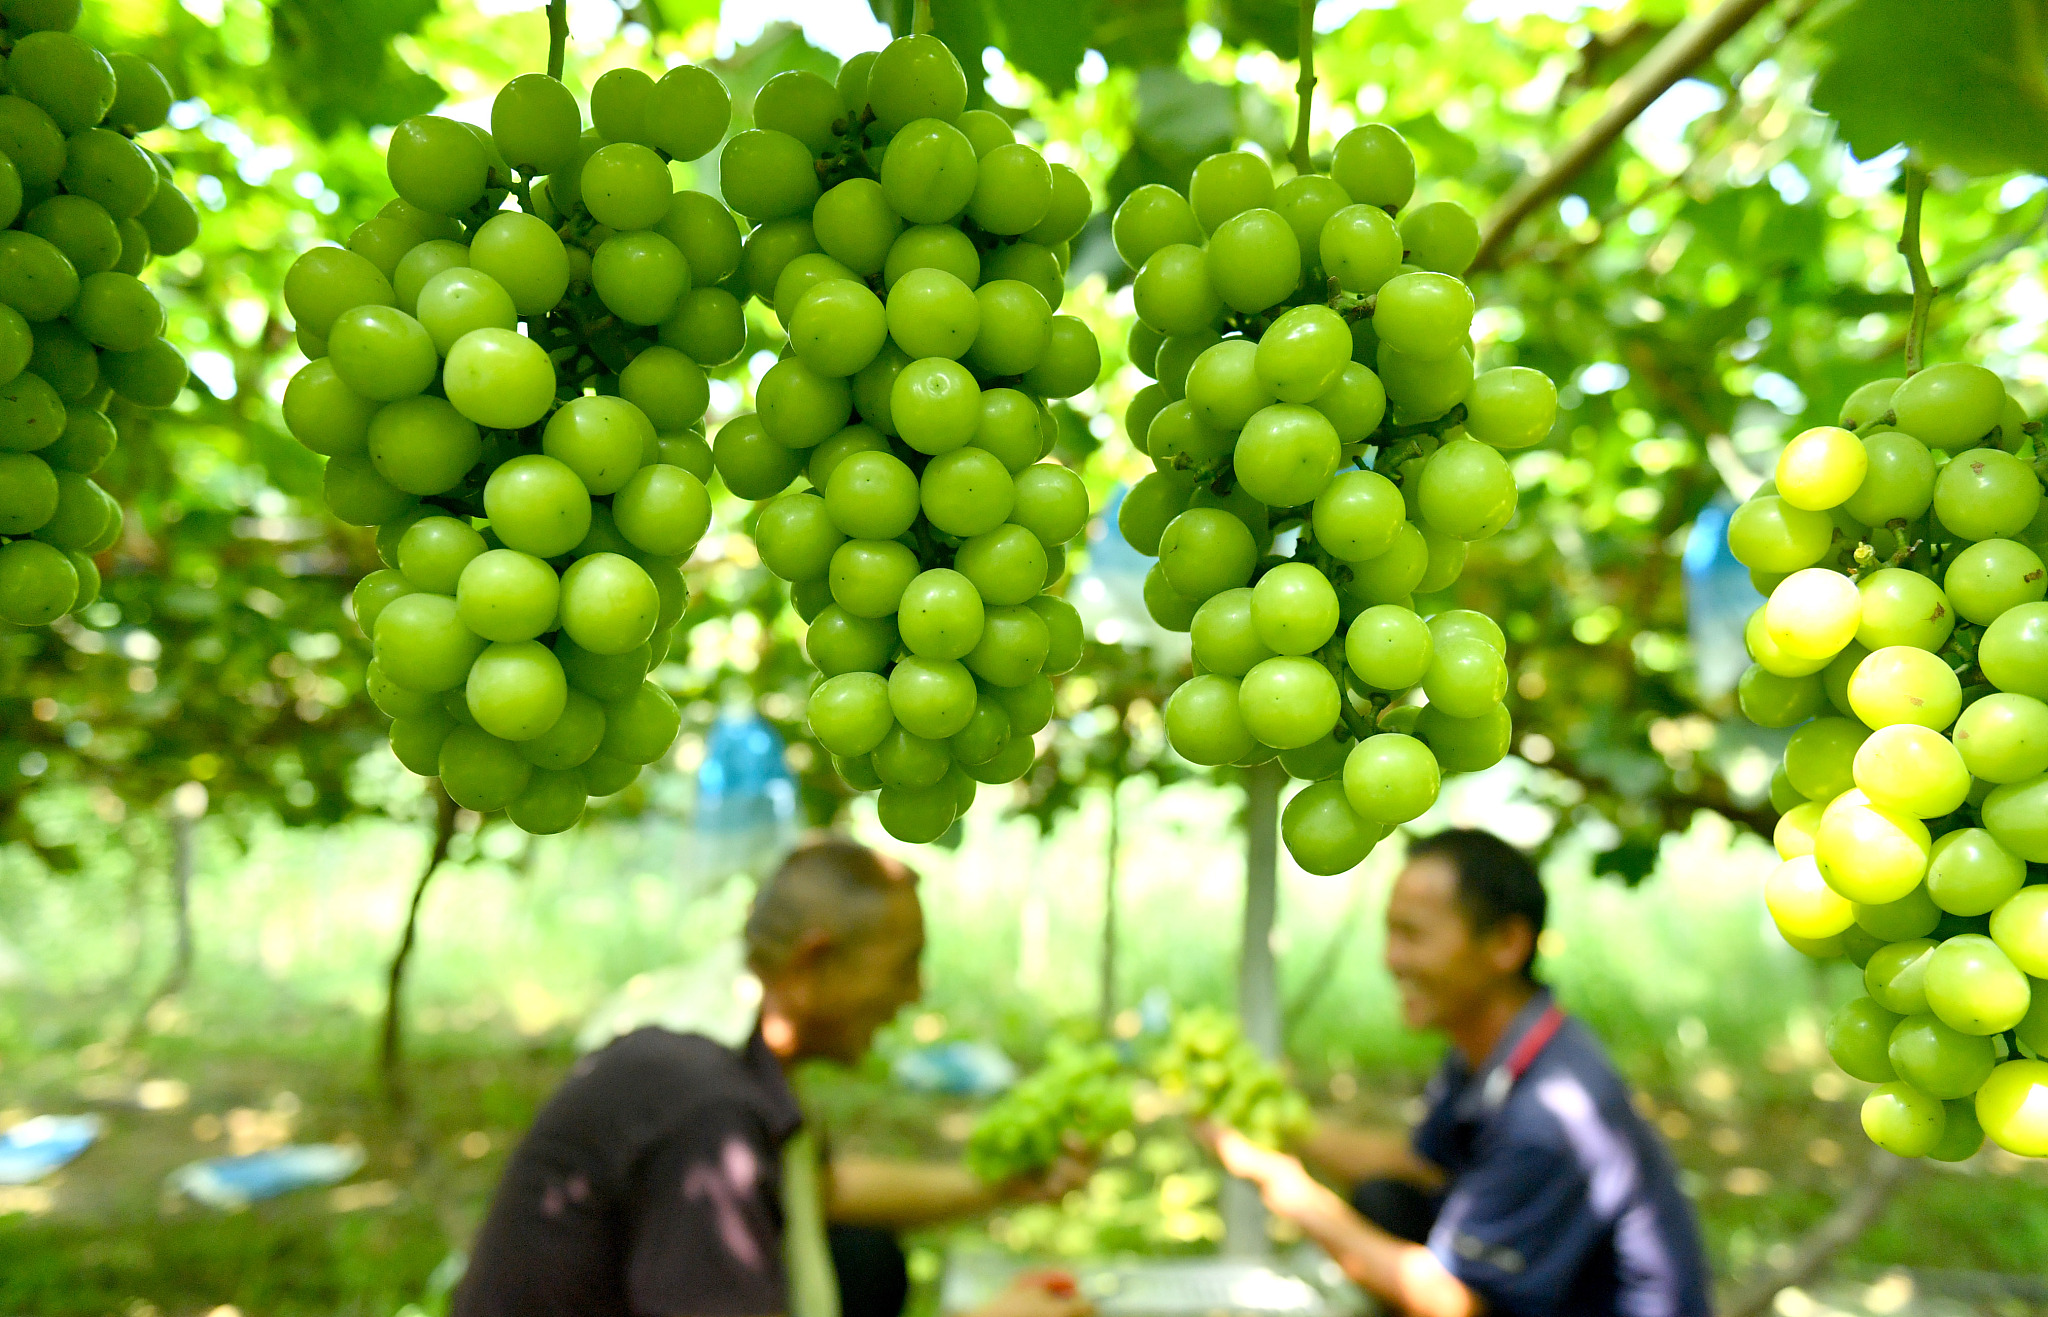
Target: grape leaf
[
  {"x": 1274, "y": 24},
  {"x": 1045, "y": 38},
  {"x": 335, "y": 60},
  {"x": 1180, "y": 119},
  {"x": 1139, "y": 34},
  {"x": 1963, "y": 84}
]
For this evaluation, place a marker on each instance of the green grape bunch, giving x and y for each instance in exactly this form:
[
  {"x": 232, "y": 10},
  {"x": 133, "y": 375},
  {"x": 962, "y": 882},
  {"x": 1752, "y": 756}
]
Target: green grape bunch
[
  {"x": 1073, "y": 1103},
  {"x": 915, "y": 254},
  {"x": 506, "y": 375},
  {"x": 83, "y": 207},
  {"x": 1208, "y": 1066},
  {"x": 1905, "y": 639},
  {"x": 1324, "y": 453}
]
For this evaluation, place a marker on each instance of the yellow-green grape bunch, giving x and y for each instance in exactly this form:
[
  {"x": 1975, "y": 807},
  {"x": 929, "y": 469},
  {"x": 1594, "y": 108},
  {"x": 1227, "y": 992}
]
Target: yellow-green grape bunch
[
  {"x": 513, "y": 395},
  {"x": 83, "y": 207},
  {"x": 1080, "y": 1097},
  {"x": 1207, "y": 1065},
  {"x": 1324, "y": 453},
  {"x": 915, "y": 255},
  {"x": 1906, "y": 639}
]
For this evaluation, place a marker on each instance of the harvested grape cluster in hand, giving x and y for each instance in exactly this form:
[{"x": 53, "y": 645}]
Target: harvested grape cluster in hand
[
  {"x": 83, "y": 207},
  {"x": 915, "y": 255},
  {"x": 513, "y": 396},
  {"x": 1314, "y": 387},
  {"x": 1906, "y": 639},
  {"x": 1207, "y": 1065},
  {"x": 1076, "y": 1100}
]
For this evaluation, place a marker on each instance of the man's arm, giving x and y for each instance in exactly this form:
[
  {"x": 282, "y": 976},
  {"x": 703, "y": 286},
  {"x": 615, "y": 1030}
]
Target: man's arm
[
  {"x": 869, "y": 1191},
  {"x": 872, "y": 1191},
  {"x": 1405, "y": 1275},
  {"x": 1354, "y": 1155}
]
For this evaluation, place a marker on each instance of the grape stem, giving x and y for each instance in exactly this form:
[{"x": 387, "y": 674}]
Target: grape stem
[
  {"x": 1304, "y": 87},
  {"x": 1361, "y": 727},
  {"x": 558, "y": 36},
  {"x": 1914, "y": 177},
  {"x": 921, "y": 18},
  {"x": 523, "y": 190}
]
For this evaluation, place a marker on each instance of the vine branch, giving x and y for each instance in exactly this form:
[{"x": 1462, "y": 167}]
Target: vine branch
[
  {"x": 1914, "y": 176},
  {"x": 1819, "y": 1246},
  {"x": 1305, "y": 86},
  {"x": 558, "y": 36},
  {"x": 1676, "y": 56},
  {"x": 390, "y": 1037}
]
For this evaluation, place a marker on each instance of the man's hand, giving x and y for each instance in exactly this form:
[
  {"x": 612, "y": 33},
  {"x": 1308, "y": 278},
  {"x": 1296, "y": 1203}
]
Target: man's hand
[
  {"x": 1056, "y": 1181},
  {"x": 1289, "y": 1191},
  {"x": 1038, "y": 1294},
  {"x": 1404, "y": 1274}
]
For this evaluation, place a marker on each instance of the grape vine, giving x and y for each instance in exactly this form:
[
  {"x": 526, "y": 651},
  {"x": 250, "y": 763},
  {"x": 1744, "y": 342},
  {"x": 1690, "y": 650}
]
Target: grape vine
[
  {"x": 513, "y": 396},
  {"x": 915, "y": 254},
  {"x": 84, "y": 207},
  {"x": 1324, "y": 452},
  {"x": 1905, "y": 639}
]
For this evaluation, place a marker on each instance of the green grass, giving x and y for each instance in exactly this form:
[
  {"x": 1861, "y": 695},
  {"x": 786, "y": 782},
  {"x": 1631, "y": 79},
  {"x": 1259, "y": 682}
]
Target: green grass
[{"x": 1717, "y": 1022}]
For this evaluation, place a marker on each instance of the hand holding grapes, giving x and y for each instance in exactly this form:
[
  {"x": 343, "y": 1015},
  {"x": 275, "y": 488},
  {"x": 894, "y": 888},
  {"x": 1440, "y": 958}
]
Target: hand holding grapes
[
  {"x": 1039, "y": 1139},
  {"x": 1072, "y": 1170},
  {"x": 1284, "y": 1184},
  {"x": 1208, "y": 1066}
]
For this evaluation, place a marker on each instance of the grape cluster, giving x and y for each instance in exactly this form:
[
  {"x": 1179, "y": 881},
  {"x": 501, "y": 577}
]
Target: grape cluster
[
  {"x": 83, "y": 207},
  {"x": 514, "y": 397},
  {"x": 915, "y": 254},
  {"x": 1075, "y": 1101},
  {"x": 1906, "y": 639},
  {"x": 1313, "y": 387},
  {"x": 1207, "y": 1064}
]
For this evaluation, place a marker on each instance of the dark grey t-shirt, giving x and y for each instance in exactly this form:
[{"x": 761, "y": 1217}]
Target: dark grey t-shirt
[{"x": 650, "y": 1185}]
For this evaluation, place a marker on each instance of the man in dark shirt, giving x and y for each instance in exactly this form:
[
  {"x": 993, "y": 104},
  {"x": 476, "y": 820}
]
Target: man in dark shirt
[
  {"x": 1532, "y": 1187},
  {"x": 652, "y": 1183}
]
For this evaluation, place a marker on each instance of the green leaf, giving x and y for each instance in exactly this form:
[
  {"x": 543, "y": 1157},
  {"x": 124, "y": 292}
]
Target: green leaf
[
  {"x": 1274, "y": 24},
  {"x": 1180, "y": 119},
  {"x": 335, "y": 60},
  {"x": 1045, "y": 38},
  {"x": 1139, "y": 34},
  {"x": 1957, "y": 82},
  {"x": 1439, "y": 152}
]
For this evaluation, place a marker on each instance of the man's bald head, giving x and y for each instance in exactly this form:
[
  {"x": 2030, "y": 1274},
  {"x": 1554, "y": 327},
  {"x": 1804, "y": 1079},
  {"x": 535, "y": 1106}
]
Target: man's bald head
[
  {"x": 835, "y": 935},
  {"x": 828, "y": 885}
]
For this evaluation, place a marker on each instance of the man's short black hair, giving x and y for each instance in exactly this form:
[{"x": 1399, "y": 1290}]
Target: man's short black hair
[{"x": 1496, "y": 882}]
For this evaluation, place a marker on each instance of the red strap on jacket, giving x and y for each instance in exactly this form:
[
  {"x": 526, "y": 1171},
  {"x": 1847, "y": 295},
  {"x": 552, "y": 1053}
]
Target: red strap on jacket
[{"x": 1533, "y": 1043}]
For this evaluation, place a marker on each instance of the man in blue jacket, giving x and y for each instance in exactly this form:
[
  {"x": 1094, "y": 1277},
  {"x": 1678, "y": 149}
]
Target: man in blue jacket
[{"x": 1532, "y": 1186}]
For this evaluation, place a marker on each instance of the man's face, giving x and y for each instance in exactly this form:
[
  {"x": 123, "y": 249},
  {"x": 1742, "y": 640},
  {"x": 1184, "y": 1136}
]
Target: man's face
[
  {"x": 860, "y": 986},
  {"x": 1443, "y": 970}
]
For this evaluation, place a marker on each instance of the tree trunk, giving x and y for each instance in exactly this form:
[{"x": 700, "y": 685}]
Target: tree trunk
[
  {"x": 1311, "y": 988},
  {"x": 1106, "y": 992},
  {"x": 1258, "y": 990},
  {"x": 390, "y": 1050},
  {"x": 181, "y": 902},
  {"x": 179, "y": 872}
]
